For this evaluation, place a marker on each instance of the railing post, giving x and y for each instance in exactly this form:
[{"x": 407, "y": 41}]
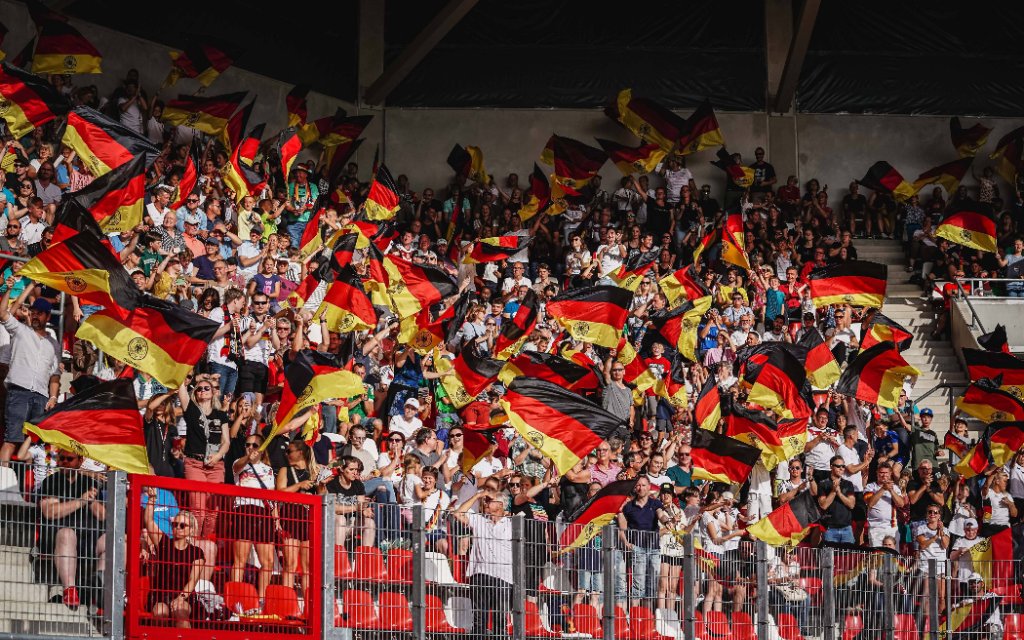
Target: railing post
[
  {"x": 933, "y": 599},
  {"x": 689, "y": 587},
  {"x": 419, "y": 569},
  {"x": 608, "y": 555},
  {"x": 950, "y": 567},
  {"x": 329, "y": 585},
  {"x": 116, "y": 507},
  {"x": 762, "y": 589},
  {"x": 518, "y": 580},
  {"x": 828, "y": 592},
  {"x": 888, "y": 598}
]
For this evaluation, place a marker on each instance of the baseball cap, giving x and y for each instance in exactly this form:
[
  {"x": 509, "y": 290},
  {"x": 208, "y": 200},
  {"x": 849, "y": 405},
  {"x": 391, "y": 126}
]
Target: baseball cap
[
  {"x": 413, "y": 402},
  {"x": 927, "y": 412},
  {"x": 727, "y": 495},
  {"x": 192, "y": 218},
  {"x": 213, "y": 241},
  {"x": 975, "y": 577},
  {"x": 970, "y": 522},
  {"x": 42, "y": 304}
]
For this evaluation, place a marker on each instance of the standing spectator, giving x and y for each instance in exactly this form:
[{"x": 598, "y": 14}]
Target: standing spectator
[
  {"x": 639, "y": 523},
  {"x": 226, "y": 350},
  {"x": 836, "y": 498},
  {"x": 883, "y": 498},
  {"x": 764, "y": 174},
  {"x": 924, "y": 443},
  {"x": 605, "y": 470},
  {"x": 490, "y": 561},
  {"x": 207, "y": 439},
  {"x": 923, "y": 491},
  {"x": 259, "y": 341},
  {"x": 821, "y": 446}
]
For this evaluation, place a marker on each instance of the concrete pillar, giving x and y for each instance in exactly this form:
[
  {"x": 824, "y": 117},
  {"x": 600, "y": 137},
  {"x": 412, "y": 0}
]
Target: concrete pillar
[
  {"x": 371, "y": 43},
  {"x": 782, "y": 148}
]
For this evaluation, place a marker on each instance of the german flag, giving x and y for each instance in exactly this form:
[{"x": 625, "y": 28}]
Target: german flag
[
  {"x": 496, "y": 249},
  {"x": 790, "y": 523},
  {"x": 630, "y": 160},
  {"x": 989, "y": 364},
  {"x": 968, "y": 142},
  {"x": 777, "y": 382},
  {"x": 677, "y": 328},
  {"x": 575, "y": 163},
  {"x": 732, "y": 249},
  {"x": 242, "y": 179},
  {"x": 708, "y": 409},
  {"x": 857, "y": 283},
  {"x": 209, "y": 114},
  {"x": 701, "y": 131},
  {"x": 970, "y": 224},
  {"x": 1010, "y": 155},
  {"x": 881, "y": 328},
  {"x": 346, "y": 307},
  {"x": 27, "y": 101},
  {"x": 189, "y": 183},
  {"x": 996, "y": 557},
  {"x": 157, "y": 337},
  {"x": 383, "y": 200},
  {"x": 468, "y": 162},
  {"x": 883, "y": 178},
  {"x": 632, "y": 272},
  {"x": 332, "y": 131},
  {"x": 593, "y": 515},
  {"x": 974, "y": 461},
  {"x": 231, "y": 134},
  {"x": 295, "y": 104},
  {"x": 82, "y": 266},
  {"x": 313, "y": 377},
  {"x": 203, "y": 62},
  {"x": 995, "y": 340},
  {"x": 473, "y": 374},
  {"x": 413, "y": 286},
  {"x": 821, "y": 366},
  {"x": 477, "y": 444},
  {"x": 741, "y": 175},
  {"x": 997, "y": 446},
  {"x": 539, "y": 195},
  {"x": 515, "y": 332},
  {"x": 647, "y": 119},
  {"x": 707, "y": 244},
  {"x": 249, "y": 146},
  {"x": 953, "y": 443},
  {"x": 876, "y": 375},
  {"x": 948, "y": 175},
  {"x": 552, "y": 368},
  {"x": 63, "y": 50},
  {"x": 636, "y": 372},
  {"x": 683, "y": 284},
  {"x": 102, "y": 144},
  {"x": 564, "y": 426},
  {"x": 969, "y": 619},
  {"x": 102, "y": 422},
  {"x": 72, "y": 218},
  {"x": 718, "y": 458},
  {"x": 312, "y": 239},
  {"x": 985, "y": 401},
  {"x": 117, "y": 199},
  {"x": 777, "y": 441},
  {"x": 420, "y": 332},
  {"x": 592, "y": 314},
  {"x": 286, "y": 148}
]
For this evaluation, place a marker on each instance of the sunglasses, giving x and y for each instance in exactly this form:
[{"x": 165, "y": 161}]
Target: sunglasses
[
  {"x": 66, "y": 458},
  {"x": 204, "y": 388},
  {"x": 514, "y": 485},
  {"x": 839, "y": 466},
  {"x": 395, "y": 440},
  {"x": 454, "y": 435},
  {"x": 260, "y": 302},
  {"x": 180, "y": 525},
  {"x": 253, "y": 445}
]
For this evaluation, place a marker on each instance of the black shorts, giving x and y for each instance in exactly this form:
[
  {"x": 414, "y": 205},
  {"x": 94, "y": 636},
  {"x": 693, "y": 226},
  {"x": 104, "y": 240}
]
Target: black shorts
[
  {"x": 252, "y": 377},
  {"x": 253, "y": 523}
]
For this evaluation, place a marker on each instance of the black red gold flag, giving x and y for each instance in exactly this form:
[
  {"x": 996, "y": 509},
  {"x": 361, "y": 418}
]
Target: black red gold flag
[
  {"x": 883, "y": 178},
  {"x": 102, "y": 144},
  {"x": 592, "y": 314},
  {"x": 587, "y": 521},
  {"x": 102, "y": 422},
  {"x": 538, "y": 197},
  {"x": 707, "y": 411},
  {"x": 209, "y": 114},
  {"x": 496, "y": 249},
  {"x": 477, "y": 444},
  {"x": 630, "y": 160},
  {"x": 1010, "y": 155},
  {"x": 239, "y": 177},
  {"x": 949, "y": 175},
  {"x": 204, "y": 62},
  {"x": 249, "y": 146},
  {"x": 955, "y": 444},
  {"x": 553, "y": 368},
  {"x": 563, "y": 425},
  {"x": 701, "y": 131},
  {"x": 629, "y": 276},
  {"x": 778, "y": 441},
  {"x": 468, "y": 162},
  {"x": 677, "y": 328},
  {"x": 345, "y": 306},
  {"x": 157, "y": 337},
  {"x": 858, "y": 283},
  {"x": 985, "y": 401},
  {"x": 790, "y": 523},
  {"x": 27, "y": 101},
  {"x": 733, "y": 250},
  {"x": 683, "y": 284},
  {"x": 876, "y": 375},
  {"x": 72, "y": 218},
  {"x": 473, "y": 373},
  {"x": 997, "y": 446},
  {"x": 636, "y": 372},
  {"x": 575, "y": 163},
  {"x": 416, "y": 286},
  {"x": 311, "y": 378},
  {"x": 989, "y": 364},
  {"x": 63, "y": 50},
  {"x": 968, "y": 142},
  {"x": 880, "y": 328},
  {"x": 295, "y": 104},
  {"x": 647, "y": 119},
  {"x": 970, "y": 224},
  {"x": 718, "y": 458},
  {"x": 970, "y": 618},
  {"x": 741, "y": 175},
  {"x": 777, "y": 382},
  {"x": 117, "y": 199},
  {"x": 422, "y": 332},
  {"x": 189, "y": 183},
  {"x": 286, "y": 149},
  {"x": 331, "y": 131},
  {"x": 996, "y": 558},
  {"x": 821, "y": 366},
  {"x": 383, "y": 199},
  {"x": 710, "y": 241},
  {"x": 516, "y": 330},
  {"x": 994, "y": 340},
  {"x": 455, "y": 315},
  {"x": 235, "y": 128},
  {"x": 41, "y": 14}
]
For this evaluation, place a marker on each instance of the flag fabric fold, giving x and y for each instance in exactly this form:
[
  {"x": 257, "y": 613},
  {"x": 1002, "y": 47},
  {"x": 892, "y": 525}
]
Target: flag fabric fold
[
  {"x": 592, "y": 314},
  {"x": 857, "y": 283},
  {"x": 27, "y": 101}
]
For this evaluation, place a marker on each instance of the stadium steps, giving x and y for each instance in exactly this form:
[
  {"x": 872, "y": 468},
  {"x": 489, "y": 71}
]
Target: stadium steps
[{"x": 24, "y": 604}]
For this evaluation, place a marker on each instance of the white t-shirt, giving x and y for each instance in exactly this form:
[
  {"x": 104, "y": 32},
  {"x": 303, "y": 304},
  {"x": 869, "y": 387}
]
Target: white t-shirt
[
  {"x": 248, "y": 250},
  {"x": 851, "y": 457},
  {"x": 487, "y": 467},
  {"x": 611, "y": 258},
  {"x": 1000, "y": 513},
  {"x": 405, "y": 427},
  {"x": 880, "y": 515},
  {"x": 156, "y": 216},
  {"x": 674, "y": 182},
  {"x": 508, "y": 284},
  {"x": 263, "y": 349},
  {"x": 820, "y": 457},
  {"x": 964, "y": 564},
  {"x": 934, "y": 551},
  {"x": 407, "y": 489},
  {"x": 50, "y": 194},
  {"x": 760, "y": 479},
  {"x": 213, "y": 352},
  {"x": 132, "y": 116},
  {"x": 1016, "y": 483},
  {"x": 522, "y": 255},
  {"x": 31, "y": 232}
]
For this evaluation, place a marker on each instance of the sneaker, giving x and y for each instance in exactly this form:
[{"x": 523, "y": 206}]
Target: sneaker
[{"x": 71, "y": 600}]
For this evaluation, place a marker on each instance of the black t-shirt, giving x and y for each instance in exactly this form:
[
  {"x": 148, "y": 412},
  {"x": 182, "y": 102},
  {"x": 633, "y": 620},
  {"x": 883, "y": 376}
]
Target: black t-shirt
[
  {"x": 65, "y": 487},
  {"x": 170, "y": 567},
  {"x": 357, "y": 489},
  {"x": 659, "y": 220},
  {"x": 838, "y": 514},
  {"x": 158, "y": 447},
  {"x": 855, "y": 204},
  {"x": 762, "y": 171},
  {"x": 919, "y": 509},
  {"x": 196, "y": 436}
]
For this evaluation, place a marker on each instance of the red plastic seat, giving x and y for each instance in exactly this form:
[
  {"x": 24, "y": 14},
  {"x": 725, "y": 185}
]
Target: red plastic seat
[
  {"x": 906, "y": 627},
  {"x": 587, "y": 620},
  {"x": 395, "y": 611},
  {"x": 743, "y": 627},
  {"x": 789, "y": 628},
  {"x": 370, "y": 565},
  {"x": 357, "y": 611},
  {"x": 717, "y": 624},
  {"x": 240, "y": 597},
  {"x": 1010, "y": 594},
  {"x": 853, "y": 627},
  {"x": 642, "y": 625},
  {"x": 621, "y": 624},
  {"x": 400, "y": 566},
  {"x": 342, "y": 565},
  {"x": 1013, "y": 626},
  {"x": 283, "y": 602},
  {"x": 437, "y": 621}
]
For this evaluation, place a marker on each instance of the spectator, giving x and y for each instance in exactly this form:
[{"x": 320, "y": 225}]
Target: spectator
[
  {"x": 490, "y": 561},
  {"x": 836, "y": 497},
  {"x": 883, "y": 499},
  {"x": 207, "y": 438},
  {"x": 175, "y": 565},
  {"x": 639, "y": 523}
]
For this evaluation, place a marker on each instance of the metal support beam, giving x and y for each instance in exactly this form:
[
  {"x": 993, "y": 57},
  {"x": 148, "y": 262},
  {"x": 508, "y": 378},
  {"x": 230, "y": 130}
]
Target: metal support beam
[
  {"x": 413, "y": 54},
  {"x": 797, "y": 53}
]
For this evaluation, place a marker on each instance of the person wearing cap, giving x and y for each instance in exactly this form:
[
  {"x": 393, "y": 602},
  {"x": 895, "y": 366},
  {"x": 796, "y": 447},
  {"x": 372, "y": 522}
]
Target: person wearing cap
[
  {"x": 302, "y": 195},
  {"x": 33, "y": 380},
  {"x": 960, "y": 553},
  {"x": 158, "y": 208},
  {"x": 976, "y": 591},
  {"x": 408, "y": 422}
]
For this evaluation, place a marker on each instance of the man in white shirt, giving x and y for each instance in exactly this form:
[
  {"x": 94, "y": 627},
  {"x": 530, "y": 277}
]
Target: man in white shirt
[
  {"x": 611, "y": 254},
  {"x": 820, "y": 447},
  {"x": 132, "y": 105},
  {"x": 518, "y": 279},
  {"x": 408, "y": 422},
  {"x": 490, "y": 561},
  {"x": 220, "y": 348},
  {"x": 157, "y": 209},
  {"x": 32, "y": 225},
  {"x": 882, "y": 498}
]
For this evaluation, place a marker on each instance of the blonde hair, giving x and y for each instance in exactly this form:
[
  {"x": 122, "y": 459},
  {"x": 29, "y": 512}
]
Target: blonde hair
[{"x": 215, "y": 401}]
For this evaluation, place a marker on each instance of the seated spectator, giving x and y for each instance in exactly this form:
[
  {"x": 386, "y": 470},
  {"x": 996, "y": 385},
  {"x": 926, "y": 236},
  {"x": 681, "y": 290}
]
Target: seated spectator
[{"x": 175, "y": 565}]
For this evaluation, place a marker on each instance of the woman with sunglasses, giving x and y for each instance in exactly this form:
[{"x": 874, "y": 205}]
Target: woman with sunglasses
[
  {"x": 300, "y": 476},
  {"x": 175, "y": 565},
  {"x": 207, "y": 438},
  {"x": 254, "y": 522}
]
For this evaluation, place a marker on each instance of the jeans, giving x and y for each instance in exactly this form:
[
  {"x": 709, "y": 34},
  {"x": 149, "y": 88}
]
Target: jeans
[
  {"x": 646, "y": 563},
  {"x": 381, "y": 489},
  {"x": 228, "y": 377},
  {"x": 22, "y": 406},
  {"x": 843, "y": 534},
  {"x": 295, "y": 230}
]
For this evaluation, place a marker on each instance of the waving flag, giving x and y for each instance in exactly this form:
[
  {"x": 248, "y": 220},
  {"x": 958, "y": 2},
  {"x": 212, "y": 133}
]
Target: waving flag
[
  {"x": 82, "y": 266},
  {"x": 778, "y": 441},
  {"x": 496, "y": 249},
  {"x": 876, "y": 375},
  {"x": 203, "y": 62},
  {"x": 539, "y": 195},
  {"x": 994, "y": 340},
  {"x": 985, "y": 401},
  {"x": 881, "y": 328},
  {"x": 630, "y": 160},
  {"x": 683, "y": 284},
  {"x": 63, "y": 50},
  {"x": 592, "y": 314},
  {"x": 707, "y": 411},
  {"x": 312, "y": 377},
  {"x": 473, "y": 373},
  {"x": 117, "y": 199},
  {"x": 969, "y": 224},
  {"x": 413, "y": 287},
  {"x": 776, "y": 379},
  {"x": 189, "y": 184},
  {"x": 295, "y": 103},
  {"x": 209, "y": 114},
  {"x": 883, "y": 178},
  {"x": 648, "y": 120},
  {"x": 701, "y": 131},
  {"x": 968, "y": 142},
  {"x": 989, "y": 364},
  {"x": 552, "y": 368},
  {"x": 858, "y": 283},
  {"x": 345, "y": 306},
  {"x": 678, "y": 328},
  {"x": 575, "y": 163},
  {"x": 1009, "y": 155},
  {"x": 383, "y": 200},
  {"x": 636, "y": 372},
  {"x": 790, "y": 523},
  {"x": 949, "y": 175},
  {"x": 102, "y": 144},
  {"x": 27, "y": 101},
  {"x": 514, "y": 332},
  {"x": 718, "y": 458},
  {"x": 821, "y": 366},
  {"x": 593, "y": 515}
]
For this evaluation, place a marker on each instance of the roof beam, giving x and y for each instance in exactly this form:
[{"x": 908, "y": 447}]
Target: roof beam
[
  {"x": 797, "y": 53},
  {"x": 414, "y": 53}
]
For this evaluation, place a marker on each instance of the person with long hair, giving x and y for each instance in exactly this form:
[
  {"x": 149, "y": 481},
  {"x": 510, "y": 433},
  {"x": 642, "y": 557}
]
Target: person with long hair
[
  {"x": 300, "y": 476},
  {"x": 207, "y": 438},
  {"x": 175, "y": 565},
  {"x": 255, "y": 522}
]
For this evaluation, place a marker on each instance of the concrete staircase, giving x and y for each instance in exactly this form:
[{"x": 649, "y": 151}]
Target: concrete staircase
[{"x": 904, "y": 304}]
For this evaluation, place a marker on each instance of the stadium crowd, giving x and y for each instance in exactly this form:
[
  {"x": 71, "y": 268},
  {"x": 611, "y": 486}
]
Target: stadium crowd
[{"x": 880, "y": 475}]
